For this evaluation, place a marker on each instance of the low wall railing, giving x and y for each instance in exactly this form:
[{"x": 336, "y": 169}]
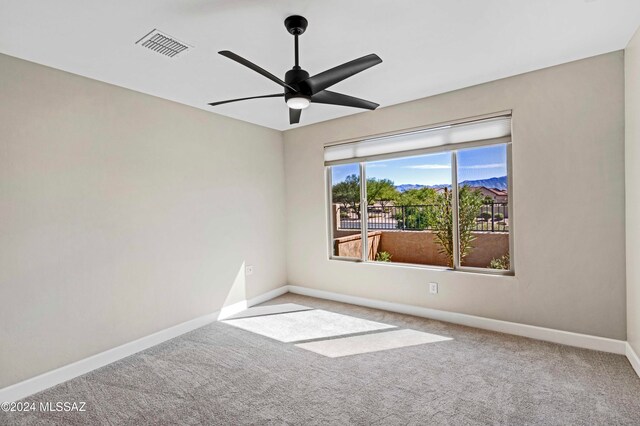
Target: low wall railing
[{"x": 492, "y": 217}]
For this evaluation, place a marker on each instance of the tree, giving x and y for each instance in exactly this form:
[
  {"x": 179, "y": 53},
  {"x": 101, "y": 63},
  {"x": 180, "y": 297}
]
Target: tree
[
  {"x": 347, "y": 193},
  {"x": 469, "y": 206},
  {"x": 381, "y": 190},
  {"x": 417, "y": 197},
  {"x": 417, "y": 208}
]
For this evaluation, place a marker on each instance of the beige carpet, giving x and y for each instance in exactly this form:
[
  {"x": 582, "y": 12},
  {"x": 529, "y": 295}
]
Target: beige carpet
[{"x": 221, "y": 374}]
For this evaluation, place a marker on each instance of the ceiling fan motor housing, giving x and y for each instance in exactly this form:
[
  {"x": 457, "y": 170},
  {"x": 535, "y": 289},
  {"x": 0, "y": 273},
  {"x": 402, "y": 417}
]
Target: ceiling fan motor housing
[{"x": 293, "y": 77}]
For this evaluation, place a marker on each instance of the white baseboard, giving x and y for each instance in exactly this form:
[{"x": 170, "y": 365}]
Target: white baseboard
[
  {"x": 540, "y": 333},
  {"x": 634, "y": 359},
  {"x": 268, "y": 296},
  {"x": 238, "y": 307},
  {"x": 229, "y": 310},
  {"x": 43, "y": 381}
]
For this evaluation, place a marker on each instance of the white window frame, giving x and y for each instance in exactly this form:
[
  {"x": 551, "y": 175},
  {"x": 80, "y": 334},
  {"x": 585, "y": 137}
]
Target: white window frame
[{"x": 453, "y": 150}]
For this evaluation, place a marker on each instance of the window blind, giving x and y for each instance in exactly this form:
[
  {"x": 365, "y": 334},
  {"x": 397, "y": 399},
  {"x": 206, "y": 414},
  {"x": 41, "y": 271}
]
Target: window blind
[{"x": 480, "y": 132}]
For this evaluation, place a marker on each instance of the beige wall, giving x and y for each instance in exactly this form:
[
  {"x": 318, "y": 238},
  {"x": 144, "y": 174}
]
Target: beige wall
[
  {"x": 632, "y": 171},
  {"x": 568, "y": 150},
  {"x": 122, "y": 214}
]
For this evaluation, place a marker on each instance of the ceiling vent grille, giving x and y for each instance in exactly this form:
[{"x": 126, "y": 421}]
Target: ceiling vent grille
[{"x": 163, "y": 43}]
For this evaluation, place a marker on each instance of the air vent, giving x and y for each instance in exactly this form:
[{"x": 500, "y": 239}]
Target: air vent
[{"x": 162, "y": 43}]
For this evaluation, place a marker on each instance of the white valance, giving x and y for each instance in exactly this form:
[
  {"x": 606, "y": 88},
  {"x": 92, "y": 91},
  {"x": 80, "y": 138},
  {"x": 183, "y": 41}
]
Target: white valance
[{"x": 480, "y": 132}]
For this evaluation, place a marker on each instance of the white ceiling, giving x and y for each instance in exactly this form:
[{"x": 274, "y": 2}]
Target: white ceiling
[{"x": 427, "y": 46}]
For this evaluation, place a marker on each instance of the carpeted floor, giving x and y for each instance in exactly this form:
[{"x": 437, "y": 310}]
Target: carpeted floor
[{"x": 221, "y": 374}]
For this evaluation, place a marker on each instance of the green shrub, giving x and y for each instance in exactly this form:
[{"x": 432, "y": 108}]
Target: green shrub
[
  {"x": 501, "y": 263},
  {"x": 470, "y": 205},
  {"x": 416, "y": 218},
  {"x": 485, "y": 216},
  {"x": 383, "y": 256},
  {"x": 498, "y": 217}
]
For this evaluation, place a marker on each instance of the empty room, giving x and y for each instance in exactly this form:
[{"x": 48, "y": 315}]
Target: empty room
[{"x": 218, "y": 212}]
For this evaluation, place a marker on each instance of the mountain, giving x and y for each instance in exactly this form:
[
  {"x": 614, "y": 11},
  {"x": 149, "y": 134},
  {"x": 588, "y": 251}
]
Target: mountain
[
  {"x": 408, "y": 186},
  {"x": 494, "y": 182}
]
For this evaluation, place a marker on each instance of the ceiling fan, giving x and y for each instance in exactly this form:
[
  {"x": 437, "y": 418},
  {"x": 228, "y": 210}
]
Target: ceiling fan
[{"x": 299, "y": 89}]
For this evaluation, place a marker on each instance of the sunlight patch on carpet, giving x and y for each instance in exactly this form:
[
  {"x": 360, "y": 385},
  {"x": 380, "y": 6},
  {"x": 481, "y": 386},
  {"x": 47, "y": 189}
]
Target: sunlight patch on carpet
[
  {"x": 306, "y": 325},
  {"x": 269, "y": 310},
  {"x": 375, "y": 342}
]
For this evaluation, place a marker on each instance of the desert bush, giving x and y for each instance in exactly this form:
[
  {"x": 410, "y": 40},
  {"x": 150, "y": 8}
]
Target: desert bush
[
  {"x": 383, "y": 256},
  {"x": 501, "y": 262}
]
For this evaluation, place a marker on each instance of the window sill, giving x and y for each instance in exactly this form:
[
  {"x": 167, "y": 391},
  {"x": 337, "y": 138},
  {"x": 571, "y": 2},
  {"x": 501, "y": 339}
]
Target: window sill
[{"x": 464, "y": 270}]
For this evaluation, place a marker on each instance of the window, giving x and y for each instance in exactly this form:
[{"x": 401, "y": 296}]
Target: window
[
  {"x": 345, "y": 211},
  {"x": 483, "y": 224},
  {"x": 436, "y": 197}
]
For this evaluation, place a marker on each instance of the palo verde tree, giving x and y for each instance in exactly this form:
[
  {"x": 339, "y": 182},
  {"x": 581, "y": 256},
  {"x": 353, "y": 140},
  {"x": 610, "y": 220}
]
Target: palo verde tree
[
  {"x": 469, "y": 207},
  {"x": 417, "y": 208},
  {"x": 416, "y": 197},
  {"x": 347, "y": 192},
  {"x": 382, "y": 191}
]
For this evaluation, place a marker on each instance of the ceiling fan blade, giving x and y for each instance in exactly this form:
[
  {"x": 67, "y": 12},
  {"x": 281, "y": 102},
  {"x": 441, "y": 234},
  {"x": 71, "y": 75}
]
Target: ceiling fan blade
[
  {"x": 328, "y": 78},
  {"x": 294, "y": 115},
  {"x": 248, "y": 64},
  {"x": 276, "y": 95},
  {"x": 333, "y": 98}
]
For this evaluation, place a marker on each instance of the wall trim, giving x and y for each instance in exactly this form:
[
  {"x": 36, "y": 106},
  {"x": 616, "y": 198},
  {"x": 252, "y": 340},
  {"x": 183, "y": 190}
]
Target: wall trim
[
  {"x": 264, "y": 297},
  {"x": 539, "y": 333},
  {"x": 227, "y": 311},
  {"x": 634, "y": 359},
  {"x": 59, "y": 375}
]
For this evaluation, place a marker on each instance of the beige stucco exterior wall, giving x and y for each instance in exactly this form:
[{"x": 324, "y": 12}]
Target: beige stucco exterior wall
[
  {"x": 123, "y": 214},
  {"x": 421, "y": 247},
  {"x": 568, "y": 150}
]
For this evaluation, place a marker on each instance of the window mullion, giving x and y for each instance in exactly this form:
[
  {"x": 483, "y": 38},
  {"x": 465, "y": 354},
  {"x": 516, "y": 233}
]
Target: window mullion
[
  {"x": 330, "y": 216},
  {"x": 364, "y": 214},
  {"x": 454, "y": 210}
]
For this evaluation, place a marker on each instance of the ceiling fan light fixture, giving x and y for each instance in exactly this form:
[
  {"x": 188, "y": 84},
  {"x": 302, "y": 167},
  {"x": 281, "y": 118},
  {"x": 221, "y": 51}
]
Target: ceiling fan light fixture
[{"x": 298, "y": 102}]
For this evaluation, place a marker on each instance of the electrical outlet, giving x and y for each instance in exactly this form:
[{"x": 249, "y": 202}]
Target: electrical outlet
[
  {"x": 248, "y": 270},
  {"x": 433, "y": 288}
]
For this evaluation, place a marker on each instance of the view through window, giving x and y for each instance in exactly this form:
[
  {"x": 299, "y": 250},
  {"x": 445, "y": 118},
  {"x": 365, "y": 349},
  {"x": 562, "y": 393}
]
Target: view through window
[
  {"x": 483, "y": 194},
  {"x": 345, "y": 211},
  {"x": 411, "y": 213},
  {"x": 408, "y": 207}
]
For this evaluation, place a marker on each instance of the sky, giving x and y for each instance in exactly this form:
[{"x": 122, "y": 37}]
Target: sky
[{"x": 433, "y": 169}]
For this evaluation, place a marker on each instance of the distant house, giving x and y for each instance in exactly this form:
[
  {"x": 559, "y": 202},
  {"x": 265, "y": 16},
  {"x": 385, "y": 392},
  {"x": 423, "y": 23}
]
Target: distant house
[{"x": 497, "y": 195}]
